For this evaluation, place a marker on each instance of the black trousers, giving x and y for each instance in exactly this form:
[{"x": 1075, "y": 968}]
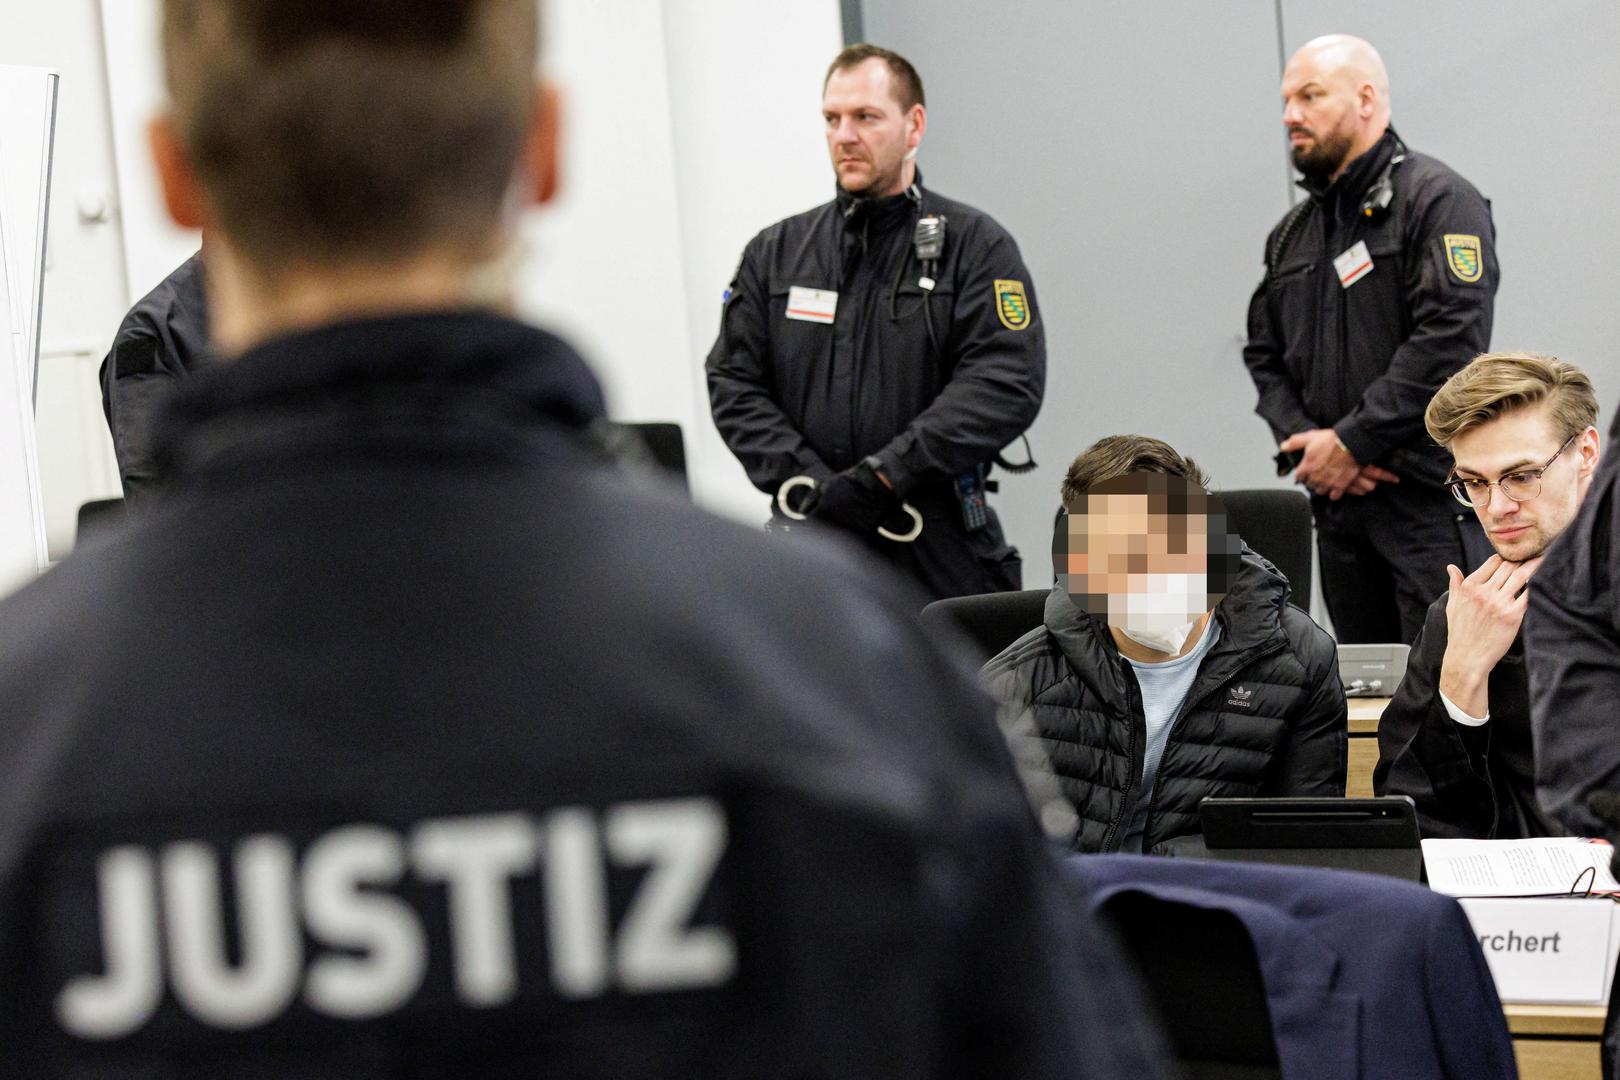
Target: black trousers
[
  {"x": 945, "y": 560},
  {"x": 1384, "y": 555}
]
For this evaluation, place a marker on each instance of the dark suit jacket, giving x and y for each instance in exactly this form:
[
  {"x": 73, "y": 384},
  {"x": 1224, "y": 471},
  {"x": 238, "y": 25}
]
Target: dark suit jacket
[{"x": 1365, "y": 976}]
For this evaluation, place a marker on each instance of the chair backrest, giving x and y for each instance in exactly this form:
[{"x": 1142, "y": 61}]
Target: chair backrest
[
  {"x": 992, "y": 621},
  {"x": 1201, "y": 972},
  {"x": 1276, "y": 522},
  {"x": 98, "y": 515},
  {"x": 663, "y": 443}
]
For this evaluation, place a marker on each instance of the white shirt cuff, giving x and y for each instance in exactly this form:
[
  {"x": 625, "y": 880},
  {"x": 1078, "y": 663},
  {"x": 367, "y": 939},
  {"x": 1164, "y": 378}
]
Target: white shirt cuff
[{"x": 1461, "y": 717}]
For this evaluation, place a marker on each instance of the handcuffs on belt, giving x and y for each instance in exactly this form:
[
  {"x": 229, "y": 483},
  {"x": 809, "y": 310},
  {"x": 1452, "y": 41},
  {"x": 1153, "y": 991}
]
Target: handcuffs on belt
[{"x": 794, "y": 482}]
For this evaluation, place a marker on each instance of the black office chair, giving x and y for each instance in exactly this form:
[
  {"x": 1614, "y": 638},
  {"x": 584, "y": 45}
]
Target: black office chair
[
  {"x": 97, "y": 516},
  {"x": 1276, "y": 522},
  {"x": 1200, "y": 971},
  {"x": 662, "y": 444},
  {"x": 992, "y": 621}
]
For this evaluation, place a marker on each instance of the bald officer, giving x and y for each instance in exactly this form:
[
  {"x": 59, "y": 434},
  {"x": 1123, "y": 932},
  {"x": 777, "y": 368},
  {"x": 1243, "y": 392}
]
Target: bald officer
[{"x": 1378, "y": 286}]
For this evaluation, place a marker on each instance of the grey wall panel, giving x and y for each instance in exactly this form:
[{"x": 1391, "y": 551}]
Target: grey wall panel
[
  {"x": 850, "y": 15},
  {"x": 1136, "y": 152},
  {"x": 1524, "y": 100}
]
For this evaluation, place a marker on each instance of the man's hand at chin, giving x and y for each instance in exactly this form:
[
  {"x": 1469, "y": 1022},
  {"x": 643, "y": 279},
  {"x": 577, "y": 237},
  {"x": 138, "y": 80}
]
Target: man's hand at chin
[{"x": 1483, "y": 614}]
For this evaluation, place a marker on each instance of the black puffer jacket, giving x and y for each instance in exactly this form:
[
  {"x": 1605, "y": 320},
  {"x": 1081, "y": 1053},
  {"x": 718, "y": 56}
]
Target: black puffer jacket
[{"x": 1265, "y": 715}]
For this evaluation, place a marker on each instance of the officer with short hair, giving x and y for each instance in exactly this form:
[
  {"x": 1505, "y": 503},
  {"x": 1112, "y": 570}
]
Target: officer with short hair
[
  {"x": 394, "y": 743},
  {"x": 1378, "y": 286},
  {"x": 876, "y": 353}
]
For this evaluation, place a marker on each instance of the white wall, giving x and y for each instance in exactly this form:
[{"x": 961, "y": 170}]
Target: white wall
[
  {"x": 688, "y": 127},
  {"x": 26, "y": 137},
  {"x": 749, "y": 151},
  {"x": 604, "y": 266},
  {"x": 153, "y": 244},
  {"x": 85, "y": 292}
]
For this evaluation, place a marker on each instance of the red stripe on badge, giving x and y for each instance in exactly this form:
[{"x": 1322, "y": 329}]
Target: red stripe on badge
[{"x": 1357, "y": 274}]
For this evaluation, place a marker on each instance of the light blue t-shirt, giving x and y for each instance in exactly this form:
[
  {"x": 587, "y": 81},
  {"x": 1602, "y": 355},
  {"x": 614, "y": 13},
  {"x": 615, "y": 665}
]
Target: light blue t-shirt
[{"x": 1164, "y": 688}]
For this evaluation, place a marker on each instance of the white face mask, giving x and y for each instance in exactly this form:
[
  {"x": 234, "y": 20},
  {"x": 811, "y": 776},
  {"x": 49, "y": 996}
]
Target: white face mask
[{"x": 1162, "y": 615}]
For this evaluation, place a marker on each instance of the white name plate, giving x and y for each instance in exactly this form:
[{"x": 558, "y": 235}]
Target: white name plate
[{"x": 1546, "y": 951}]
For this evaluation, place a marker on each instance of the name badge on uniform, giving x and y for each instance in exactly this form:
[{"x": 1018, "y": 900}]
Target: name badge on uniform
[
  {"x": 1353, "y": 265},
  {"x": 812, "y": 305}
]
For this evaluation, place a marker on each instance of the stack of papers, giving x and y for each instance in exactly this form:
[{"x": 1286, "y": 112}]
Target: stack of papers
[{"x": 1549, "y": 866}]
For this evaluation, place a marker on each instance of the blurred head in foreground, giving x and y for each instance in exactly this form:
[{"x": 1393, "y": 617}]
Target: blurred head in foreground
[{"x": 348, "y": 159}]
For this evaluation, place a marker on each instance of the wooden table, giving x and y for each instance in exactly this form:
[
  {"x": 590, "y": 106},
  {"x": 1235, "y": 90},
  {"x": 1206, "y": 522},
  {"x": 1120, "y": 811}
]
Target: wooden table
[
  {"x": 1551, "y": 1042},
  {"x": 1556, "y": 1042},
  {"x": 1364, "y": 714}
]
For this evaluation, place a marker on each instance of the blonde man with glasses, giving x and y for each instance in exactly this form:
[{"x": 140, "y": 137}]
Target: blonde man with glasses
[{"x": 1456, "y": 738}]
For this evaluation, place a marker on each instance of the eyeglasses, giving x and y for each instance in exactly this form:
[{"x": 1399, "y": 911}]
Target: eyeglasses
[{"x": 1521, "y": 486}]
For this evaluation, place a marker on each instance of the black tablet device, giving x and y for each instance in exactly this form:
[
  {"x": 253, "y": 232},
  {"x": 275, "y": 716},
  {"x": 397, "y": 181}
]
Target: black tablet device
[{"x": 1379, "y": 836}]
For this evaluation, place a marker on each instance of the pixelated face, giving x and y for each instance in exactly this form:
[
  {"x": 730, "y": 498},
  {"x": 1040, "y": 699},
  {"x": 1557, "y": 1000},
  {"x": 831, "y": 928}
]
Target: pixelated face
[{"x": 1144, "y": 534}]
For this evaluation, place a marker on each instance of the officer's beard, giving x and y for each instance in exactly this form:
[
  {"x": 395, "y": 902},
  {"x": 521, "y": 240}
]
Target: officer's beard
[
  {"x": 878, "y": 183},
  {"x": 1323, "y": 157}
]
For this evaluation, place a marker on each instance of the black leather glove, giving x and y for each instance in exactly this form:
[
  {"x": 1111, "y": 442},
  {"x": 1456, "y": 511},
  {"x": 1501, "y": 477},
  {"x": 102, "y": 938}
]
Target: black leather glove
[{"x": 855, "y": 499}]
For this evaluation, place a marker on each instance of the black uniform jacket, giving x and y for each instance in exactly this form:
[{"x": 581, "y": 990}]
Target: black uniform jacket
[
  {"x": 1366, "y": 359},
  {"x": 1266, "y": 714},
  {"x": 162, "y": 339},
  {"x": 1572, "y": 641},
  {"x": 1469, "y": 782},
  {"x": 792, "y": 396},
  {"x": 510, "y": 765}
]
